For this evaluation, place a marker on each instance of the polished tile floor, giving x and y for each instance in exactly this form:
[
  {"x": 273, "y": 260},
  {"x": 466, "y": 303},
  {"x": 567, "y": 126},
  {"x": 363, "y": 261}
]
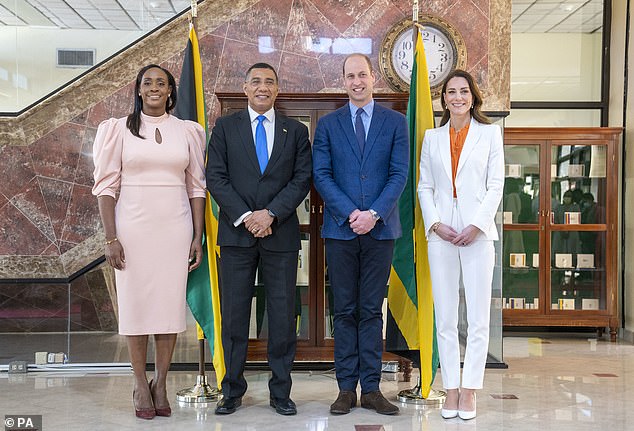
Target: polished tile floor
[{"x": 553, "y": 382}]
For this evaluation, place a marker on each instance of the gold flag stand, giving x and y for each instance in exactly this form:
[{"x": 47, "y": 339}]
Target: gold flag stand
[
  {"x": 415, "y": 396},
  {"x": 201, "y": 392}
]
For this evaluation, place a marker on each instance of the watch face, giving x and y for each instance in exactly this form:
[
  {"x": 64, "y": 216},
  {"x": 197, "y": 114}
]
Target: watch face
[{"x": 445, "y": 51}]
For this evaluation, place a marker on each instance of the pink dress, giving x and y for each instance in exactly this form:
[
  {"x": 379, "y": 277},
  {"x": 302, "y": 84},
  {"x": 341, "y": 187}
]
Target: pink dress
[{"x": 152, "y": 184}]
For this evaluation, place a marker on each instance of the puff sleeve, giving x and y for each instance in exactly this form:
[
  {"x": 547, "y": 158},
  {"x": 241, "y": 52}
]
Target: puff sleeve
[
  {"x": 195, "y": 172},
  {"x": 107, "y": 150}
]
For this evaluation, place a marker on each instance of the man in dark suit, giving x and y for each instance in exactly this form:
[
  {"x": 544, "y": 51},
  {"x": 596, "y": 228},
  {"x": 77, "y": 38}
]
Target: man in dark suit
[
  {"x": 258, "y": 171},
  {"x": 360, "y": 163}
]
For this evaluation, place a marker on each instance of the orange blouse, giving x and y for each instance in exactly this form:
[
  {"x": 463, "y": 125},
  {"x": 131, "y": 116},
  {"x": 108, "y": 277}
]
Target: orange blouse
[{"x": 456, "y": 141}]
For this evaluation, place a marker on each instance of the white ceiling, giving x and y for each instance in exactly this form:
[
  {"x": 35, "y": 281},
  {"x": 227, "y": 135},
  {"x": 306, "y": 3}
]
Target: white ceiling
[
  {"x": 529, "y": 16},
  {"x": 557, "y": 16},
  {"x": 90, "y": 14}
]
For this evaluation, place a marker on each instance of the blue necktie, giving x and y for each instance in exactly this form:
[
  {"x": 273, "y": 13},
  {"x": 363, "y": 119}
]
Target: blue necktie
[
  {"x": 360, "y": 130},
  {"x": 261, "y": 149}
]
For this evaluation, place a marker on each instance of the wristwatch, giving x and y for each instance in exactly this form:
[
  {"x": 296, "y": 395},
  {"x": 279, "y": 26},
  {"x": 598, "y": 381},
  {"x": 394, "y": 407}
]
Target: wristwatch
[
  {"x": 375, "y": 215},
  {"x": 271, "y": 213}
]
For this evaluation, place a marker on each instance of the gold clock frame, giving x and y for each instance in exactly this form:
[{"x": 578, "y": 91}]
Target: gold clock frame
[{"x": 385, "y": 55}]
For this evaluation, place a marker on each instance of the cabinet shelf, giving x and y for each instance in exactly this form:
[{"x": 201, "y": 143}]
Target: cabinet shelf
[{"x": 580, "y": 270}]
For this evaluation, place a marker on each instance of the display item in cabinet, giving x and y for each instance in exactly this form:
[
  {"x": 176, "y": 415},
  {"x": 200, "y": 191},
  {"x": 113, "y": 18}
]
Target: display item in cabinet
[
  {"x": 553, "y": 171},
  {"x": 589, "y": 304},
  {"x": 575, "y": 170},
  {"x": 535, "y": 260},
  {"x": 517, "y": 260},
  {"x": 566, "y": 303},
  {"x": 516, "y": 303},
  {"x": 508, "y": 217},
  {"x": 572, "y": 217},
  {"x": 513, "y": 171},
  {"x": 520, "y": 304},
  {"x": 585, "y": 260},
  {"x": 563, "y": 260}
]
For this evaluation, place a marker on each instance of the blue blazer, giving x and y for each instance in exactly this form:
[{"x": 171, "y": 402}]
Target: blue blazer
[{"x": 348, "y": 180}]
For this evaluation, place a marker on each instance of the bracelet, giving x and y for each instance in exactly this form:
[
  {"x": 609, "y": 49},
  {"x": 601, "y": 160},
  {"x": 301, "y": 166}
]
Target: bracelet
[
  {"x": 434, "y": 227},
  {"x": 108, "y": 242}
]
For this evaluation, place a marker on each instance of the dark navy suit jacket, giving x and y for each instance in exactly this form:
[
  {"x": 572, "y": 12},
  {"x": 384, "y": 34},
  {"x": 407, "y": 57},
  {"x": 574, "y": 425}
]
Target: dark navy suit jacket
[
  {"x": 235, "y": 182},
  {"x": 347, "y": 179}
]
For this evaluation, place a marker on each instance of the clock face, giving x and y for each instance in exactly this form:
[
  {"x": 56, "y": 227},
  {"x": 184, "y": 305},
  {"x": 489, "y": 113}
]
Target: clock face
[
  {"x": 445, "y": 51},
  {"x": 439, "y": 52}
]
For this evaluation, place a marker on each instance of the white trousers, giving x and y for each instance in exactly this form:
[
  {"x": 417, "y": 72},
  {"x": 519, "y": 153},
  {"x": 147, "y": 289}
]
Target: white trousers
[{"x": 476, "y": 261}]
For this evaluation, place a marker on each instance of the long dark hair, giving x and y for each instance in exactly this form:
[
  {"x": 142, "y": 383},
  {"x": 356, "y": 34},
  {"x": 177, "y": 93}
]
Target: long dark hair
[
  {"x": 134, "y": 119},
  {"x": 475, "y": 92}
]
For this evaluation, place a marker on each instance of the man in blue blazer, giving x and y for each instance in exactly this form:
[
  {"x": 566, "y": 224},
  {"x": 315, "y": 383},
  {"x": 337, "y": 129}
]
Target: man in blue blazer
[{"x": 360, "y": 163}]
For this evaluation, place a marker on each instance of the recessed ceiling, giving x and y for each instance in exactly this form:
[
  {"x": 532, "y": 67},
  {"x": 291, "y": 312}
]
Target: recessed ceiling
[
  {"x": 557, "y": 16},
  {"x": 529, "y": 16}
]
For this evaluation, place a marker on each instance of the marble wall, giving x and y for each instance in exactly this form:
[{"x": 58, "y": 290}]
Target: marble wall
[{"x": 49, "y": 221}]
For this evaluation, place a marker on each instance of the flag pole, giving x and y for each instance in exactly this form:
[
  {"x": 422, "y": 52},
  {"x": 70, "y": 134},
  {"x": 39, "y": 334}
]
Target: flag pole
[
  {"x": 201, "y": 393},
  {"x": 415, "y": 394}
]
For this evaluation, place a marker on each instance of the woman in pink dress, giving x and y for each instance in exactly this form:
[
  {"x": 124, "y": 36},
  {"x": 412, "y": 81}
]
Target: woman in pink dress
[{"x": 150, "y": 184}]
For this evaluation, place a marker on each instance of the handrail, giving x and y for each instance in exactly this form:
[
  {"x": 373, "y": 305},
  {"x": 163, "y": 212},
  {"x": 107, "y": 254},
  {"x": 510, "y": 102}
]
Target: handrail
[{"x": 62, "y": 280}]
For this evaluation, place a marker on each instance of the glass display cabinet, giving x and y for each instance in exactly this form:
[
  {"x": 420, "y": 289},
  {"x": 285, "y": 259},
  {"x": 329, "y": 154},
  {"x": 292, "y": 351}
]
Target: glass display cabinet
[{"x": 560, "y": 220}]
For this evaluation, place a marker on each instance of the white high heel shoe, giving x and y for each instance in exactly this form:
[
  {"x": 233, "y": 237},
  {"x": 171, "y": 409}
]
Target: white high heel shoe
[
  {"x": 470, "y": 414},
  {"x": 448, "y": 413}
]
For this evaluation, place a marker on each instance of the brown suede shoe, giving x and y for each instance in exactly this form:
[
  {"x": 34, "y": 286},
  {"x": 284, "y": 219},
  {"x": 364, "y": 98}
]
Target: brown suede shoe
[
  {"x": 344, "y": 402},
  {"x": 376, "y": 401}
]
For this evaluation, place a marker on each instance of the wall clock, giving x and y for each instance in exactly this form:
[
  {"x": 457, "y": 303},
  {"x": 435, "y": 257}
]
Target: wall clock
[{"x": 445, "y": 51}]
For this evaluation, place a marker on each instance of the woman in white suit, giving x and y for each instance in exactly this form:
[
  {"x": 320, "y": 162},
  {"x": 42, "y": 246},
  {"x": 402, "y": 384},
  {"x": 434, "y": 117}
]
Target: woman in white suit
[{"x": 460, "y": 189}]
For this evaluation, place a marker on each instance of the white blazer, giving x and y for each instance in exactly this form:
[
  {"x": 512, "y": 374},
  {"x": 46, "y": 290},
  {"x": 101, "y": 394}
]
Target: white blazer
[{"x": 479, "y": 179}]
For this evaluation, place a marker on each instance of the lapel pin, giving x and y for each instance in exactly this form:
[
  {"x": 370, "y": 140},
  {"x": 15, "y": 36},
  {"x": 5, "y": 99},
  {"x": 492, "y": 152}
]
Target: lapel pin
[{"x": 284, "y": 130}]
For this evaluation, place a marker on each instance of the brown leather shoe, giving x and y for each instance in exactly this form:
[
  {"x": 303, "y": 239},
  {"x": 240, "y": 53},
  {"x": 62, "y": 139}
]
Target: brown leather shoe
[
  {"x": 376, "y": 401},
  {"x": 344, "y": 402}
]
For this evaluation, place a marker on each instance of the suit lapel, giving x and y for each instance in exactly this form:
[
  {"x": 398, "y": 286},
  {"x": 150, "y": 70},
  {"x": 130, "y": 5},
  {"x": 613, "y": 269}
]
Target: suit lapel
[
  {"x": 279, "y": 141},
  {"x": 473, "y": 136},
  {"x": 445, "y": 149},
  {"x": 244, "y": 128},
  {"x": 378, "y": 118},
  {"x": 345, "y": 120}
]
